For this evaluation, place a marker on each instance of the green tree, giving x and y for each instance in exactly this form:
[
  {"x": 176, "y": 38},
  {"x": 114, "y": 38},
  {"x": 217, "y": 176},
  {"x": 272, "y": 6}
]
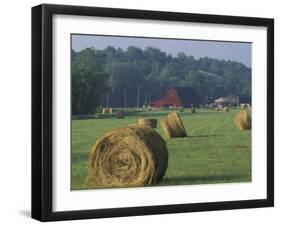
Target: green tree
[
  {"x": 111, "y": 71},
  {"x": 88, "y": 82}
]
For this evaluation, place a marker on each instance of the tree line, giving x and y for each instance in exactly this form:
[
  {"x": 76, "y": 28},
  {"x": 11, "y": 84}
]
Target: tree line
[{"x": 118, "y": 78}]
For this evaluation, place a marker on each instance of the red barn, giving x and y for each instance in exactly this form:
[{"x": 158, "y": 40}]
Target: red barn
[{"x": 177, "y": 96}]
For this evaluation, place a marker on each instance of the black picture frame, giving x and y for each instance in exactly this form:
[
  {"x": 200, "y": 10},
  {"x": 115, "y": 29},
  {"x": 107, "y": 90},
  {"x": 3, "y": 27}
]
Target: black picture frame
[{"x": 42, "y": 111}]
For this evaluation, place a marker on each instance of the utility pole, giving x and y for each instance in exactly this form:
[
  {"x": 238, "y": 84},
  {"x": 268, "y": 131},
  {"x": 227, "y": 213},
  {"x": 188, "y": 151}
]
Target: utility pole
[
  {"x": 107, "y": 102},
  {"x": 237, "y": 96},
  {"x": 138, "y": 101},
  {"x": 145, "y": 97},
  {"x": 125, "y": 98}
]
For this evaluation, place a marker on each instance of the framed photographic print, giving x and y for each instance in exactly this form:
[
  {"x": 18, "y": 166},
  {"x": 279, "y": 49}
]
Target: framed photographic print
[{"x": 145, "y": 112}]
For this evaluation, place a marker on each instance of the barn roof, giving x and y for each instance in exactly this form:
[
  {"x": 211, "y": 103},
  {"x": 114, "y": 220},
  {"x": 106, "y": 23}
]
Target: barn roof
[{"x": 186, "y": 96}]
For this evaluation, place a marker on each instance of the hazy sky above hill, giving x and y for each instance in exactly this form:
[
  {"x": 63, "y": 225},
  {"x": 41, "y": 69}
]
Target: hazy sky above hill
[{"x": 235, "y": 51}]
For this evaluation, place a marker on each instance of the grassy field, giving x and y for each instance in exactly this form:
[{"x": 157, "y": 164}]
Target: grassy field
[{"x": 215, "y": 151}]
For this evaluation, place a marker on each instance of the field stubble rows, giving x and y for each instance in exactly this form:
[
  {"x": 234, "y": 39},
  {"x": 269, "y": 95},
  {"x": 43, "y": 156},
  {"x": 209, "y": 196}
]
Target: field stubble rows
[{"x": 215, "y": 151}]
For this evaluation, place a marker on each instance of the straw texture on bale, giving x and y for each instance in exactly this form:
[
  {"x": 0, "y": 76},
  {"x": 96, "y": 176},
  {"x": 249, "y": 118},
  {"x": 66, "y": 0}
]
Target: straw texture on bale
[
  {"x": 120, "y": 114},
  {"x": 173, "y": 126},
  {"x": 150, "y": 122},
  {"x": 243, "y": 119},
  {"x": 225, "y": 109},
  {"x": 126, "y": 157}
]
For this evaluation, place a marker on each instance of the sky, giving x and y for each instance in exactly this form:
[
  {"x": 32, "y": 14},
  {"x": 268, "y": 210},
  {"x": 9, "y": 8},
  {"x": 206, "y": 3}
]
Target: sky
[{"x": 234, "y": 51}]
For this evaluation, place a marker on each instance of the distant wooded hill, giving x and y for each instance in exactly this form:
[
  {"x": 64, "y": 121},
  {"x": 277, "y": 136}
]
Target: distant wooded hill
[{"x": 135, "y": 77}]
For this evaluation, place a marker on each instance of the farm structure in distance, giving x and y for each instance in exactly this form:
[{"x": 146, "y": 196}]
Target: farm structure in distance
[{"x": 177, "y": 96}]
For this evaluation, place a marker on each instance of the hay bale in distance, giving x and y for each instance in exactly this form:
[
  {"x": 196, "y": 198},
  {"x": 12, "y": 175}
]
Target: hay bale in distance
[
  {"x": 192, "y": 110},
  {"x": 126, "y": 157},
  {"x": 105, "y": 111},
  {"x": 120, "y": 114},
  {"x": 150, "y": 122},
  {"x": 243, "y": 119},
  {"x": 245, "y": 107},
  {"x": 110, "y": 110},
  {"x": 164, "y": 122},
  {"x": 180, "y": 109},
  {"x": 226, "y": 109},
  {"x": 148, "y": 108},
  {"x": 173, "y": 126},
  {"x": 242, "y": 106}
]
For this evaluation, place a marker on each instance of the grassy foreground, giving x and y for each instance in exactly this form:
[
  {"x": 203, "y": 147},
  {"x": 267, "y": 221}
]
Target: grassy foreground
[{"x": 215, "y": 151}]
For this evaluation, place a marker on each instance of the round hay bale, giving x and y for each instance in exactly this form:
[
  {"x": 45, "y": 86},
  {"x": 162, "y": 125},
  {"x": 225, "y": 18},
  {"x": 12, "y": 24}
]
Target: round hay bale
[
  {"x": 110, "y": 111},
  {"x": 225, "y": 109},
  {"x": 150, "y": 122},
  {"x": 243, "y": 119},
  {"x": 173, "y": 126},
  {"x": 126, "y": 157},
  {"x": 192, "y": 110},
  {"x": 164, "y": 122},
  {"x": 120, "y": 114}
]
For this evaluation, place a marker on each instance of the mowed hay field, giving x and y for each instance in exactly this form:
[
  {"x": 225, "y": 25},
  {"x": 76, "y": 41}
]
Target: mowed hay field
[{"x": 215, "y": 151}]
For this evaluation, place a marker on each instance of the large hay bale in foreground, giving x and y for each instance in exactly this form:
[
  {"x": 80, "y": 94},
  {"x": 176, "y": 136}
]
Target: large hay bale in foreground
[
  {"x": 150, "y": 122},
  {"x": 130, "y": 156},
  {"x": 243, "y": 119},
  {"x": 173, "y": 126}
]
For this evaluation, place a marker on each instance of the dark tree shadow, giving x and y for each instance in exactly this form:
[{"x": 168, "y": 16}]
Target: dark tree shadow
[{"x": 196, "y": 136}]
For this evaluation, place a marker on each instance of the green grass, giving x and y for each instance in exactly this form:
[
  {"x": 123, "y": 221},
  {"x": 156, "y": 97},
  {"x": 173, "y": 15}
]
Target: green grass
[{"x": 215, "y": 151}]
